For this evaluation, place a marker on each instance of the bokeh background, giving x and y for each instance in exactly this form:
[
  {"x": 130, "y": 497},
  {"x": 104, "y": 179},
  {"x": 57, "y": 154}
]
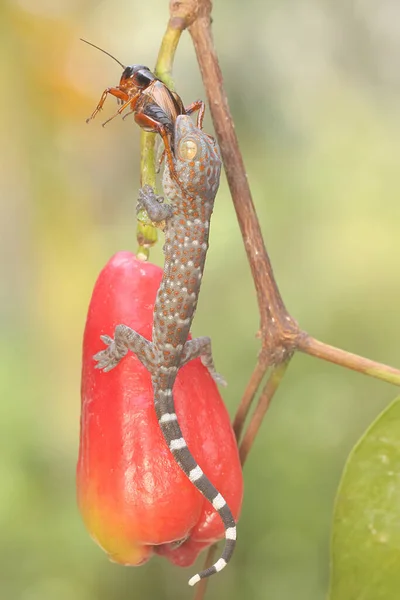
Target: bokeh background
[{"x": 314, "y": 88}]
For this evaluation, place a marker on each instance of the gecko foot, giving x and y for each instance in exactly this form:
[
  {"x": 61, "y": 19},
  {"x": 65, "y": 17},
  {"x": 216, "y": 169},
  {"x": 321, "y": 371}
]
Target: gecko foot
[
  {"x": 147, "y": 194},
  {"x": 201, "y": 347},
  {"x": 109, "y": 358},
  {"x": 154, "y": 205}
]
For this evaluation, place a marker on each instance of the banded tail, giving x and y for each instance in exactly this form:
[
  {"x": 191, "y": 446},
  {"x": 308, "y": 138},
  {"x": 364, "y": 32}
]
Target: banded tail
[{"x": 172, "y": 433}]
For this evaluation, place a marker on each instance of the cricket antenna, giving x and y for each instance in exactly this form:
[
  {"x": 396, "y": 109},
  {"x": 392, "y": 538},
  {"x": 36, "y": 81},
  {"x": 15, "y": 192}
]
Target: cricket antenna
[{"x": 101, "y": 50}]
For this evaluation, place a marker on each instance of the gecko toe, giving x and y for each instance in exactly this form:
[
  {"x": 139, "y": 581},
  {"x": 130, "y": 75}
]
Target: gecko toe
[
  {"x": 220, "y": 380},
  {"x": 110, "y": 366},
  {"x": 99, "y": 356},
  {"x": 105, "y": 362},
  {"x": 145, "y": 192},
  {"x": 103, "y": 358}
]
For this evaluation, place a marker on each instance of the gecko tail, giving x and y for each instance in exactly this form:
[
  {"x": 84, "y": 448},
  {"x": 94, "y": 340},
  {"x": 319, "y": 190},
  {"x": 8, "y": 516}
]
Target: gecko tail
[
  {"x": 230, "y": 541},
  {"x": 173, "y": 436}
]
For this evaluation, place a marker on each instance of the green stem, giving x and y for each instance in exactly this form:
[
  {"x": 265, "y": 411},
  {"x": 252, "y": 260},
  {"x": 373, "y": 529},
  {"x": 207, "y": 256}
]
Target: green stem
[
  {"x": 146, "y": 232},
  {"x": 166, "y": 55}
]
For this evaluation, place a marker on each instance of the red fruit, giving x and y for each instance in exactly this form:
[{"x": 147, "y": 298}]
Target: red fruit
[{"x": 133, "y": 497}]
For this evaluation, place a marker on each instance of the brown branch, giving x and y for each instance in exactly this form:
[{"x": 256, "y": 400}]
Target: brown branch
[
  {"x": 279, "y": 333},
  {"x": 278, "y": 328}
]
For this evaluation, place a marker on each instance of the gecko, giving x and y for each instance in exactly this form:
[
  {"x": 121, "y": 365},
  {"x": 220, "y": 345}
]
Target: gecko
[{"x": 187, "y": 219}]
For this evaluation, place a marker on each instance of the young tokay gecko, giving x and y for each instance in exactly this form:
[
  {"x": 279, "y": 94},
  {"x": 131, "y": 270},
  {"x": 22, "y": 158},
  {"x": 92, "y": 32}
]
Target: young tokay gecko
[{"x": 187, "y": 220}]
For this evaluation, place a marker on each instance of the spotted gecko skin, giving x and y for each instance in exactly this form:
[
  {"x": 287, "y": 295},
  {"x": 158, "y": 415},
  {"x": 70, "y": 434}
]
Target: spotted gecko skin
[{"x": 187, "y": 220}]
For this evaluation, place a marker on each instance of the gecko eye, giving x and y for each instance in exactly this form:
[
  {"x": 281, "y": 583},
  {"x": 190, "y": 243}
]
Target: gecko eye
[{"x": 187, "y": 150}]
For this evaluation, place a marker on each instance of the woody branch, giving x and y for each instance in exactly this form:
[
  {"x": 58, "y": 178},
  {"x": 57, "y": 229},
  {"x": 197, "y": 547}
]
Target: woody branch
[{"x": 280, "y": 335}]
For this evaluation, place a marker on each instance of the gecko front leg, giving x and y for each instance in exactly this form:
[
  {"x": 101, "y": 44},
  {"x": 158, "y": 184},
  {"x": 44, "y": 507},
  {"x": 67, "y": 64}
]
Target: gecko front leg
[
  {"x": 125, "y": 339},
  {"x": 201, "y": 347},
  {"x": 153, "y": 205}
]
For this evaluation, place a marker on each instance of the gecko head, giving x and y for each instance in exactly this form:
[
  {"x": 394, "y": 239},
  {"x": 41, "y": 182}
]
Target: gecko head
[{"x": 195, "y": 151}]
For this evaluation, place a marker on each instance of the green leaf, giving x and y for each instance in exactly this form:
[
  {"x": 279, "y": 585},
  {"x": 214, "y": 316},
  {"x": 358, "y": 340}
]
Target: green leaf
[{"x": 366, "y": 526}]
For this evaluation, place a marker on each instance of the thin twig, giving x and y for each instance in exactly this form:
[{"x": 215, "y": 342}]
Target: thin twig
[
  {"x": 340, "y": 357},
  {"x": 202, "y": 585},
  {"x": 166, "y": 54},
  {"x": 263, "y": 404},
  {"x": 248, "y": 396}
]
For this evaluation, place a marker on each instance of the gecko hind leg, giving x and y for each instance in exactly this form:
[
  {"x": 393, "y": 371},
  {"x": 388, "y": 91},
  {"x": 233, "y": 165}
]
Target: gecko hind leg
[
  {"x": 125, "y": 339},
  {"x": 201, "y": 347}
]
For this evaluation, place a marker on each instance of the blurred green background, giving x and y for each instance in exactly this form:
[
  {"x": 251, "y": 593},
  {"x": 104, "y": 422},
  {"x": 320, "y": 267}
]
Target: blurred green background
[{"x": 314, "y": 88}]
